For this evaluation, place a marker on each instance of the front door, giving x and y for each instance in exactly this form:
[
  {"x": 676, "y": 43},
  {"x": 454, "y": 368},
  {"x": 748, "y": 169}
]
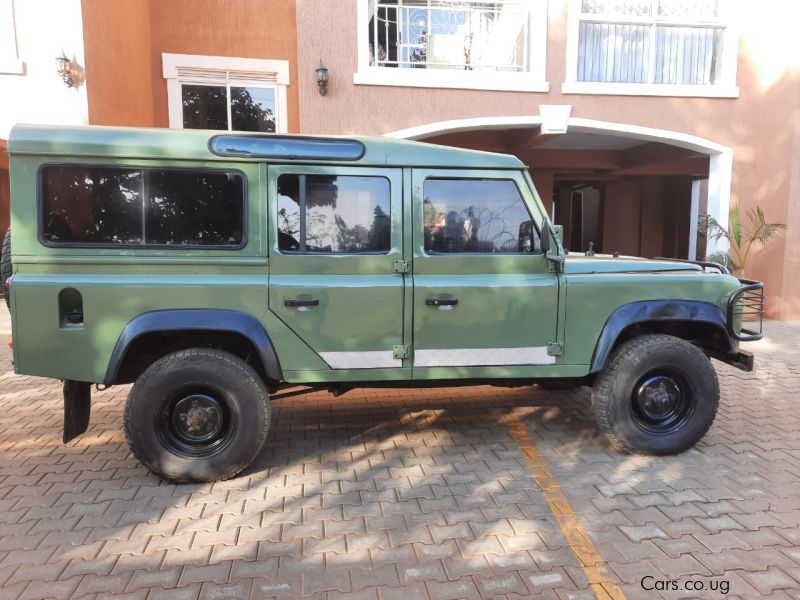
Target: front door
[
  {"x": 335, "y": 235},
  {"x": 485, "y": 298}
]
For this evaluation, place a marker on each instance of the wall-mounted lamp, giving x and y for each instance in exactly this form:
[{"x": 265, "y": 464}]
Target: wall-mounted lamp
[
  {"x": 322, "y": 78},
  {"x": 71, "y": 72}
]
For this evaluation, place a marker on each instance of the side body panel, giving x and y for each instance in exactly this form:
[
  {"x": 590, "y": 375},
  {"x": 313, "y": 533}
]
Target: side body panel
[
  {"x": 507, "y": 304},
  {"x": 357, "y": 315},
  {"x": 591, "y": 299},
  {"x": 517, "y": 301},
  {"x": 117, "y": 285}
]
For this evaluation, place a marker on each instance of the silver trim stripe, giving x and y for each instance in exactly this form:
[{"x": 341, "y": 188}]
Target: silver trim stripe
[
  {"x": 483, "y": 357},
  {"x": 361, "y": 360}
]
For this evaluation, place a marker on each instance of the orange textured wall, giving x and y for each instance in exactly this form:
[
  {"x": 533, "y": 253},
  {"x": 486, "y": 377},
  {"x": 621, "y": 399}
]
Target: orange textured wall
[
  {"x": 241, "y": 28},
  {"x": 125, "y": 40},
  {"x": 119, "y": 76}
]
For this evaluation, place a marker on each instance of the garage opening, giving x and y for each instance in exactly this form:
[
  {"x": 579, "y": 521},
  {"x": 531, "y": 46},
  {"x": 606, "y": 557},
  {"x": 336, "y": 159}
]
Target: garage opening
[{"x": 610, "y": 193}]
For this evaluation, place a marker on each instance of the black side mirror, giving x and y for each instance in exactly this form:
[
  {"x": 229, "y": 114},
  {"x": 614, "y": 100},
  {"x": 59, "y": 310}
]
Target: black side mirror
[
  {"x": 547, "y": 245},
  {"x": 545, "y": 238}
]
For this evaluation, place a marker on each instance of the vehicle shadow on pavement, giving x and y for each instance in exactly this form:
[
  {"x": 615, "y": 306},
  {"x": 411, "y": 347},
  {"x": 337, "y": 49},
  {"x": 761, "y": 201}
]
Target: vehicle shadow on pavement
[{"x": 384, "y": 489}]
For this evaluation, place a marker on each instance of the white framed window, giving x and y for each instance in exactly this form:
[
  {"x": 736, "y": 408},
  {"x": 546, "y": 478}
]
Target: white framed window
[
  {"x": 652, "y": 47},
  {"x": 225, "y": 93},
  {"x": 470, "y": 44},
  {"x": 9, "y": 57}
]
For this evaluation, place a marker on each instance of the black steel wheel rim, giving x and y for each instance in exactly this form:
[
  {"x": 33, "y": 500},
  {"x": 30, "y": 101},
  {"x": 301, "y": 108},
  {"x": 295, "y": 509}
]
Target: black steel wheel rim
[
  {"x": 662, "y": 401},
  {"x": 196, "y": 422}
]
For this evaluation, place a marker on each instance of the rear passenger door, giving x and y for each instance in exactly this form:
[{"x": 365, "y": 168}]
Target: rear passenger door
[
  {"x": 485, "y": 298},
  {"x": 335, "y": 234}
]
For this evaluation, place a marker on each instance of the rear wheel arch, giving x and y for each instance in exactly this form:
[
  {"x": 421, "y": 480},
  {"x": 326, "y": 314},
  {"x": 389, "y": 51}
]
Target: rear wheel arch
[
  {"x": 153, "y": 335},
  {"x": 702, "y": 323}
]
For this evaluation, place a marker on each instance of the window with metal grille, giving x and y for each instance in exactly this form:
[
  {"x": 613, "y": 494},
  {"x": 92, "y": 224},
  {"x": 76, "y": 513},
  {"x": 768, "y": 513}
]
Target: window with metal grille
[
  {"x": 677, "y": 42},
  {"x": 450, "y": 34}
]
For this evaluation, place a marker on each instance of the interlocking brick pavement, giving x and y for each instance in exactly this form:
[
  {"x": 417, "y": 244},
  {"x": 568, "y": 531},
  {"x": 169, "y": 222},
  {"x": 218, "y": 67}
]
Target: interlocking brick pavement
[{"x": 407, "y": 494}]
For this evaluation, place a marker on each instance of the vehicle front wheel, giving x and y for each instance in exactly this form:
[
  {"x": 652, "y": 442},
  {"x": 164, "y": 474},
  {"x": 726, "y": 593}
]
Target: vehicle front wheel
[
  {"x": 658, "y": 395},
  {"x": 197, "y": 415}
]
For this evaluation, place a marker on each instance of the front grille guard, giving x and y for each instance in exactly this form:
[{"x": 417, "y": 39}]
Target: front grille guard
[{"x": 746, "y": 305}]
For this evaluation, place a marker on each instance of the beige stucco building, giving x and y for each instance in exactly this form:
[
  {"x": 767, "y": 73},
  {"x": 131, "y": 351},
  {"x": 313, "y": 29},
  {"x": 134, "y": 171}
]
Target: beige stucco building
[{"x": 635, "y": 117}]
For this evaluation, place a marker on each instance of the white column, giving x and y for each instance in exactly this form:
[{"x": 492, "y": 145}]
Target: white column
[
  {"x": 720, "y": 171},
  {"x": 694, "y": 213}
]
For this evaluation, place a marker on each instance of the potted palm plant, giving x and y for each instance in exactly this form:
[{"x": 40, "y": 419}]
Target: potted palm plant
[{"x": 741, "y": 236}]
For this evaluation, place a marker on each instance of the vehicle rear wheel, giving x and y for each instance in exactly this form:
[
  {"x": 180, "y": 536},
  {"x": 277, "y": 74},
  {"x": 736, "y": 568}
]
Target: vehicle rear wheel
[
  {"x": 197, "y": 415},
  {"x": 5, "y": 266},
  {"x": 658, "y": 395}
]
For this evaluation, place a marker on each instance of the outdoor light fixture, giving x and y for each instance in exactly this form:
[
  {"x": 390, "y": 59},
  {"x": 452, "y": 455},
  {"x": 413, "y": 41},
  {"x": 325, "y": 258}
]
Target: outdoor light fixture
[
  {"x": 64, "y": 68},
  {"x": 322, "y": 78}
]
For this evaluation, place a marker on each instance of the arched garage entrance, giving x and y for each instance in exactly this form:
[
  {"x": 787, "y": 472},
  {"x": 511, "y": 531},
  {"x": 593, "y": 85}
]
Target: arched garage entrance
[{"x": 626, "y": 188}]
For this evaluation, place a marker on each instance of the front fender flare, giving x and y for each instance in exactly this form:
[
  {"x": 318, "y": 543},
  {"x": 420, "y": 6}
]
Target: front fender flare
[
  {"x": 656, "y": 311},
  {"x": 196, "y": 319}
]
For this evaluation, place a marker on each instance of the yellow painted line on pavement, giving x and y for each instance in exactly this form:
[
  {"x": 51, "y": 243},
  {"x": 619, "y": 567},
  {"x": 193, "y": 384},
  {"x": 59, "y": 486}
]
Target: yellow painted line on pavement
[{"x": 580, "y": 544}]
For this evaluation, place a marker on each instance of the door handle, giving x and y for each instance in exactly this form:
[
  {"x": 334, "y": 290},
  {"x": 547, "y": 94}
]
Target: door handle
[
  {"x": 441, "y": 302},
  {"x": 299, "y": 303}
]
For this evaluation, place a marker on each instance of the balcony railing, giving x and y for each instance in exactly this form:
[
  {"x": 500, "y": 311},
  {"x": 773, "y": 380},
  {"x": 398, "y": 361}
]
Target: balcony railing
[
  {"x": 650, "y": 41},
  {"x": 450, "y": 34}
]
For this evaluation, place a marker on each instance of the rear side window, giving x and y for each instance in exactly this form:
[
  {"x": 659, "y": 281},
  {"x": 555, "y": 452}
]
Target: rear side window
[
  {"x": 333, "y": 214},
  {"x": 480, "y": 216},
  {"x": 88, "y": 205}
]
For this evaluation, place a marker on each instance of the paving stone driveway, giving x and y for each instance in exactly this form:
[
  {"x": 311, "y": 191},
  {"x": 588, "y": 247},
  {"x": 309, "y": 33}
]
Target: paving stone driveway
[{"x": 412, "y": 494}]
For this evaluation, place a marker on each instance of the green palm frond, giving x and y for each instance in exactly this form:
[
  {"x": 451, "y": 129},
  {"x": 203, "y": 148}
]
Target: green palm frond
[
  {"x": 770, "y": 231},
  {"x": 724, "y": 259},
  {"x": 714, "y": 229},
  {"x": 740, "y": 236},
  {"x": 735, "y": 224}
]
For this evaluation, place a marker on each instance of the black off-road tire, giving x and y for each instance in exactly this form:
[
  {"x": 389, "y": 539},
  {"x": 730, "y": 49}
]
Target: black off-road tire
[
  {"x": 156, "y": 424},
  {"x": 622, "y": 400},
  {"x": 5, "y": 266}
]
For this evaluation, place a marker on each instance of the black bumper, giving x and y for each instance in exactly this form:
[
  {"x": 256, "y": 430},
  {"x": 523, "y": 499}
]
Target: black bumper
[
  {"x": 746, "y": 305},
  {"x": 742, "y": 360}
]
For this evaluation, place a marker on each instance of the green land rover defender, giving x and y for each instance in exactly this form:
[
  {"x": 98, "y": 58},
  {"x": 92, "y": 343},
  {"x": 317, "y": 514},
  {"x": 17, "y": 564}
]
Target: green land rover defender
[{"x": 217, "y": 271}]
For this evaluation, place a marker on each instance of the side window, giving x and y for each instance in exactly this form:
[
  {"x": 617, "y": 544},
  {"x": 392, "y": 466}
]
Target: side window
[
  {"x": 94, "y": 205},
  {"x": 477, "y": 216},
  {"x": 334, "y": 214},
  {"x": 190, "y": 208},
  {"x": 88, "y": 205}
]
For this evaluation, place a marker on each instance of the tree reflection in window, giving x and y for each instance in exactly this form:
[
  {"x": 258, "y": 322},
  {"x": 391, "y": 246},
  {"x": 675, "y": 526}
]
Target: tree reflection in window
[
  {"x": 206, "y": 107},
  {"x": 96, "y": 205},
  {"x": 333, "y": 214},
  {"x": 476, "y": 216},
  {"x": 253, "y": 109},
  {"x": 175, "y": 207},
  {"x": 189, "y": 208}
]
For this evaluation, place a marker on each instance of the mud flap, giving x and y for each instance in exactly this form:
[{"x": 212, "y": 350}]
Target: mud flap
[{"x": 77, "y": 407}]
